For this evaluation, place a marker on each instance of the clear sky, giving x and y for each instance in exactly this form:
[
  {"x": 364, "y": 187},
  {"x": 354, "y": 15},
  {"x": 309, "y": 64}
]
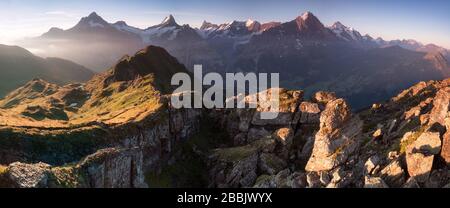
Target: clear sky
[{"x": 427, "y": 21}]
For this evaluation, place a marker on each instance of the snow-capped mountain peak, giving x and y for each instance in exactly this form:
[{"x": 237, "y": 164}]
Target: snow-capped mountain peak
[
  {"x": 307, "y": 15},
  {"x": 253, "y": 25},
  {"x": 92, "y": 21},
  {"x": 249, "y": 22},
  {"x": 338, "y": 25},
  {"x": 208, "y": 26},
  {"x": 169, "y": 22},
  {"x": 345, "y": 33}
]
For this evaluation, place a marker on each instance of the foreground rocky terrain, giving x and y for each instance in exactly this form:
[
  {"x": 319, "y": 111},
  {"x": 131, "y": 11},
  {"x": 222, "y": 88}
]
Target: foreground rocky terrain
[
  {"x": 118, "y": 130},
  {"x": 321, "y": 143}
]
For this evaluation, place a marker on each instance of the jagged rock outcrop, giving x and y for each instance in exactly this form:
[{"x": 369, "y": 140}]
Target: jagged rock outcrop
[
  {"x": 337, "y": 138},
  {"x": 23, "y": 175},
  {"x": 107, "y": 168},
  {"x": 114, "y": 168}
]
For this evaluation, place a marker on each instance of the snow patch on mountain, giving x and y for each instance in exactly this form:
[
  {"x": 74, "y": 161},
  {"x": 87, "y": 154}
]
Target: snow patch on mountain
[{"x": 122, "y": 26}]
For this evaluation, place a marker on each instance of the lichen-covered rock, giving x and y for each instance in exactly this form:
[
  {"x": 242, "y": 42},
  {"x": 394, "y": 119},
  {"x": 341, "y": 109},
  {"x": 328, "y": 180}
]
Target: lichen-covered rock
[
  {"x": 420, "y": 155},
  {"x": 24, "y": 175}
]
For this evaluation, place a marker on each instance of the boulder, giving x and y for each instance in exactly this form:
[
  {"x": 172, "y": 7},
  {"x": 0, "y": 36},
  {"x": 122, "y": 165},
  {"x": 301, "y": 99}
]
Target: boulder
[
  {"x": 284, "y": 136},
  {"x": 371, "y": 164},
  {"x": 393, "y": 174},
  {"x": 420, "y": 155},
  {"x": 378, "y": 134}
]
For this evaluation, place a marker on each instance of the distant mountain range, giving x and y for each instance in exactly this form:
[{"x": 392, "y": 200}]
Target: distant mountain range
[
  {"x": 308, "y": 54},
  {"x": 18, "y": 66},
  {"x": 119, "y": 130}
]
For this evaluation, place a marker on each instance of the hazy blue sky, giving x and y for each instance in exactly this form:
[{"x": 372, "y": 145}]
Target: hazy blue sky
[{"x": 427, "y": 20}]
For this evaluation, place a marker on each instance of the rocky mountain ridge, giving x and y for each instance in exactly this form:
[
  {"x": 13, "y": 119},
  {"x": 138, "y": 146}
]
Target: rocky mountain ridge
[{"x": 125, "y": 134}]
